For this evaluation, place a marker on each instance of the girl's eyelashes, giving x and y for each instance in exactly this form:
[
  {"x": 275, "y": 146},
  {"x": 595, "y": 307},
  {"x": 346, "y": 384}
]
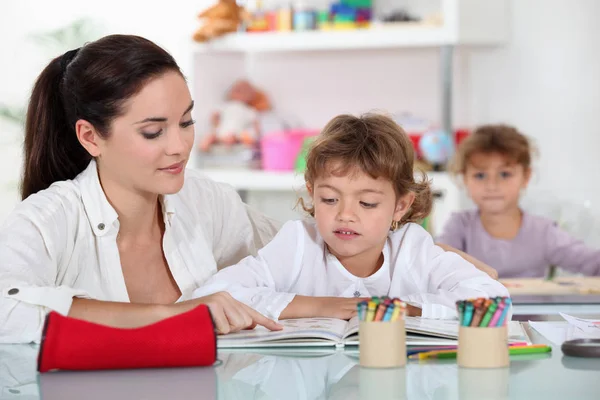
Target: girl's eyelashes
[
  {"x": 328, "y": 201},
  {"x": 479, "y": 175},
  {"x": 368, "y": 205}
]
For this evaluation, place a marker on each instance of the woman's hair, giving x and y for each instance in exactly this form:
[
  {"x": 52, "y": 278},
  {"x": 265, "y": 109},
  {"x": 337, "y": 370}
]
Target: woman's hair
[
  {"x": 91, "y": 83},
  {"x": 493, "y": 139},
  {"x": 375, "y": 145}
]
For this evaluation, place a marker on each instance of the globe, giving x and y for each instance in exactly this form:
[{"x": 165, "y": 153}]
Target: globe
[{"x": 436, "y": 146}]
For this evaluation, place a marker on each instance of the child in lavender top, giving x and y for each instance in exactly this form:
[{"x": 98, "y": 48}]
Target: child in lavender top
[{"x": 495, "y": 163}]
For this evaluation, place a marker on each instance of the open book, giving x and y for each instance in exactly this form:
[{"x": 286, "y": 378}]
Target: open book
[{"x": 309, "y": 332}]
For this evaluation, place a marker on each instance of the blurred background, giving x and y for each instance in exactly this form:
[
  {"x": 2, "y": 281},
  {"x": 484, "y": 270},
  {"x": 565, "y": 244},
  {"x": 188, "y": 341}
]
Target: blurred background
[{"x": 439, "y": 67}]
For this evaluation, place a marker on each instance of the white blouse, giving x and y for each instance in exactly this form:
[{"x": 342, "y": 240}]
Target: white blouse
[
  {"x": 61, "y": 242},
  {"x": 296, "y": 261}
]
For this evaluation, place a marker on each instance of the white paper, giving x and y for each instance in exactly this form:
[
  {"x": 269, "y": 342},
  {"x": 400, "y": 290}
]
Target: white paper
[
  {"x": 584, "y": 326},
  {"x": 574, "y": 328}
]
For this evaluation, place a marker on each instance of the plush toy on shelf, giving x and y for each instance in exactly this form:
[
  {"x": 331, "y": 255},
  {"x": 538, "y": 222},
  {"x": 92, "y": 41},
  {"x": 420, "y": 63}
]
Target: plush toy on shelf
[
  {"x": 237, "y": 120},
  {"x": 223, "y": 17}
]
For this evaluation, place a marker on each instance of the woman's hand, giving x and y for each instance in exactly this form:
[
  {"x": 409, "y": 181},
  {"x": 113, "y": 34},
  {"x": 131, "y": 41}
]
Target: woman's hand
[{"x": 231, "y": 315}]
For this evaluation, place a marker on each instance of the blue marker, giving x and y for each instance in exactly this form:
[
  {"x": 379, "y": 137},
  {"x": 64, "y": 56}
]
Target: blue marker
[
  {"x": 388, "y": 313},
  {"x": 468, "y": 314}
]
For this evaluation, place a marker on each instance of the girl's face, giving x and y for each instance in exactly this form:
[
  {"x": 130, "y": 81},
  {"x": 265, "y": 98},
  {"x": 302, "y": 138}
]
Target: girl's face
[
  {"x": 150, "y": 144},
  {"x": 354, "y": 212},
  {"x": 494, "y": 183}
]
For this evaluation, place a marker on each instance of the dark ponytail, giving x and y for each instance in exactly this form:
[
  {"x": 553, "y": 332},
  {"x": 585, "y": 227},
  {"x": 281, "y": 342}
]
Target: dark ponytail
[{"x": 92, "y": 84}]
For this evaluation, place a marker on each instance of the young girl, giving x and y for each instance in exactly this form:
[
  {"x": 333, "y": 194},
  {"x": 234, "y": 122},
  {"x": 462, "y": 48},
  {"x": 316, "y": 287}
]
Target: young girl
[
  {"x": 362, "y": 241},
  {"x": 495, "y": 162}
]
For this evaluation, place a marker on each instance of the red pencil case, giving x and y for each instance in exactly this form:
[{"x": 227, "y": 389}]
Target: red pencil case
[{"x": 185, "y": 340}]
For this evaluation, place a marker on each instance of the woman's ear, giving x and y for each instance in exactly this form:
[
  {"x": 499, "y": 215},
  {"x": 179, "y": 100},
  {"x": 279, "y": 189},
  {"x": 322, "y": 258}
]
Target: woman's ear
[
  {"x": 403, "y": 205},
  {"x": 89, "y": 137}
]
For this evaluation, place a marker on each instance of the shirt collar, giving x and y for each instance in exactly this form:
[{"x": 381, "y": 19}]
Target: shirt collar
[{"x": 101, "y": 214}]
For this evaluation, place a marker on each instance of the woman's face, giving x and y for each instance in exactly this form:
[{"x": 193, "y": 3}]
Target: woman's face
[{"x": 150, "y": 143}]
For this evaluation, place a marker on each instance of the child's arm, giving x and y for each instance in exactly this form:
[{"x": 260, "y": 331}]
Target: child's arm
[
  {"x": 453, "y": 233},
  {"x": 480, "y": 265},
  {"x": 436, "y": 279},
  {"x": 566, "y": 251},
  {"x": 263, "y": 282},
  {"x": 324, "y": 307}
]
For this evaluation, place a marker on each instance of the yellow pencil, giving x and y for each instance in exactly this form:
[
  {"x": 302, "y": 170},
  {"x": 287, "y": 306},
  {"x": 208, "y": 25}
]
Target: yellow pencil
[{"x": 371, "y": 311}]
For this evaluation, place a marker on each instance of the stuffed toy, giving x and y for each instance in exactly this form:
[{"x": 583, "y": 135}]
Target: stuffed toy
[
  {"x": 237, "y": 120},
  {"x": 221, "y": 18}
]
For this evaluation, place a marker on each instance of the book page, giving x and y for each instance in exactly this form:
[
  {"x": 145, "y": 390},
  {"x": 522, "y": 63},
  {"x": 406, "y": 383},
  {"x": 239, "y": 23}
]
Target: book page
[
  {"x": 311, "y": 329},
  {"x": 351, "y": 327}
]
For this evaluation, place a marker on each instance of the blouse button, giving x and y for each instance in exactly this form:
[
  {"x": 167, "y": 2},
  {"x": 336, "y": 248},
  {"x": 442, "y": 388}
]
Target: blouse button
[
  {"x": 13, "y": 291},
  {"x": 101, "y": 226}
]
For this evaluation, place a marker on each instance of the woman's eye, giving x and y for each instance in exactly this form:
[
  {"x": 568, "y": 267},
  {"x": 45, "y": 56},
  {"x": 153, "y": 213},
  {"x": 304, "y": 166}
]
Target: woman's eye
[
  {"x": 187, "y": 123},
  {"x": 152, "y": 135},
  {"x": 327, "y": 201},
  {"x": 368, "y": 205}
]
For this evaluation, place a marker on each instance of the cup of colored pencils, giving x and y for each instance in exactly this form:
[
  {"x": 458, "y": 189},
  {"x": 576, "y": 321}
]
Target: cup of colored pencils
[
  {"x": 483, "y": 332},
  {"x": 381, "y": 332}
]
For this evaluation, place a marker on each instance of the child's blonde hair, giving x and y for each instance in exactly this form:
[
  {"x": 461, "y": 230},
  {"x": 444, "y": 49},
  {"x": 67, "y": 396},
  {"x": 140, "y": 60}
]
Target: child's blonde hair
[
  {"x": 489, "y": 139},
  {"x": 375, "y": 145}
]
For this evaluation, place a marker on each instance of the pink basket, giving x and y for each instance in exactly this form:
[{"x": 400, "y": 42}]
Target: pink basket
[{"x": 279, "y": 150}]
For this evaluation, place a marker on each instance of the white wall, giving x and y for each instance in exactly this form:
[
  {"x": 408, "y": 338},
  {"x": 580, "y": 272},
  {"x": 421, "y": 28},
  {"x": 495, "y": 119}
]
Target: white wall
[
  {"x": 546, "y": 80},
  {"x": 169, "y": 25}
]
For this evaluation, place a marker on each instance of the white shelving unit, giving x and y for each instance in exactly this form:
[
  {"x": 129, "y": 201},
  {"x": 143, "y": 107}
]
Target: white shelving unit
[
  {"x": 465, "y": 22},
  {"x": 221, "y": 61}
]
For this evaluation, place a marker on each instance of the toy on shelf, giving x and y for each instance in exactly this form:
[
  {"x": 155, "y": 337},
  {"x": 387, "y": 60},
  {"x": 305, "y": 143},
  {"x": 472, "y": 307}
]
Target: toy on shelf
[
  {"x": 219, "y": 19},
  {"x": 237, "y": 120},
  {"x": 300, "y": 16},
  {"x": 437, "y": 148}
]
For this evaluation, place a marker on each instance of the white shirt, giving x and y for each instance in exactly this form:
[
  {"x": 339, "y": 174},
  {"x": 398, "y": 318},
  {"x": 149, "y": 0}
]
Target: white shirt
[
  {"x": 296, "y": 261},
  {"x": 61, "y": 242}
]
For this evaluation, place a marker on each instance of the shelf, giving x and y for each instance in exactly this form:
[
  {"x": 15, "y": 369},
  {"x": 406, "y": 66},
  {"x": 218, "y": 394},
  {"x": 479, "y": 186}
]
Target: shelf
[
  {"x": 256, "y": 180},
  {"x": 465, "y": 22},
  {"x": 259, "y": 180},
  {"x": 411, "y": 35}
]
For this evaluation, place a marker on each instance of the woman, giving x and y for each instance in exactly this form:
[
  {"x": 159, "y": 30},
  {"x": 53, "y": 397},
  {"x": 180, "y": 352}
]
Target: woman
[{"x": 110, "y": 229}]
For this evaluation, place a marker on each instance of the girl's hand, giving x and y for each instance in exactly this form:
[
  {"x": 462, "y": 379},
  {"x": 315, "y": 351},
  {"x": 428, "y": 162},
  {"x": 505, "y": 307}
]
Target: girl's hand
[
  {"x": 412, "y": 311},
  {"x": 231, "y": 315},
  {"x": 339, "y": 307}
]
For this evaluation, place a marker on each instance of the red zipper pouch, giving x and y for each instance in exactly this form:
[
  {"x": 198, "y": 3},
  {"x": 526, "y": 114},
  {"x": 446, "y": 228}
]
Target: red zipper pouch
[{"x": 185, "y": 340}]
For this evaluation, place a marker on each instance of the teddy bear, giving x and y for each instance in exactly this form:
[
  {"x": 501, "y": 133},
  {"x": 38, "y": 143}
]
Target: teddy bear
[
  {"x": 237, "y": 120},
  {"x": 221, "y": 18}
]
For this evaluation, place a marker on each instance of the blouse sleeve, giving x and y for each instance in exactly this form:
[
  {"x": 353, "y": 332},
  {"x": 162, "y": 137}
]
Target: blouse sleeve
[
  {"x": 437, "y": 279},
  {"x": 32, "y": 241},
  {"x": 263, "y": 282}
]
